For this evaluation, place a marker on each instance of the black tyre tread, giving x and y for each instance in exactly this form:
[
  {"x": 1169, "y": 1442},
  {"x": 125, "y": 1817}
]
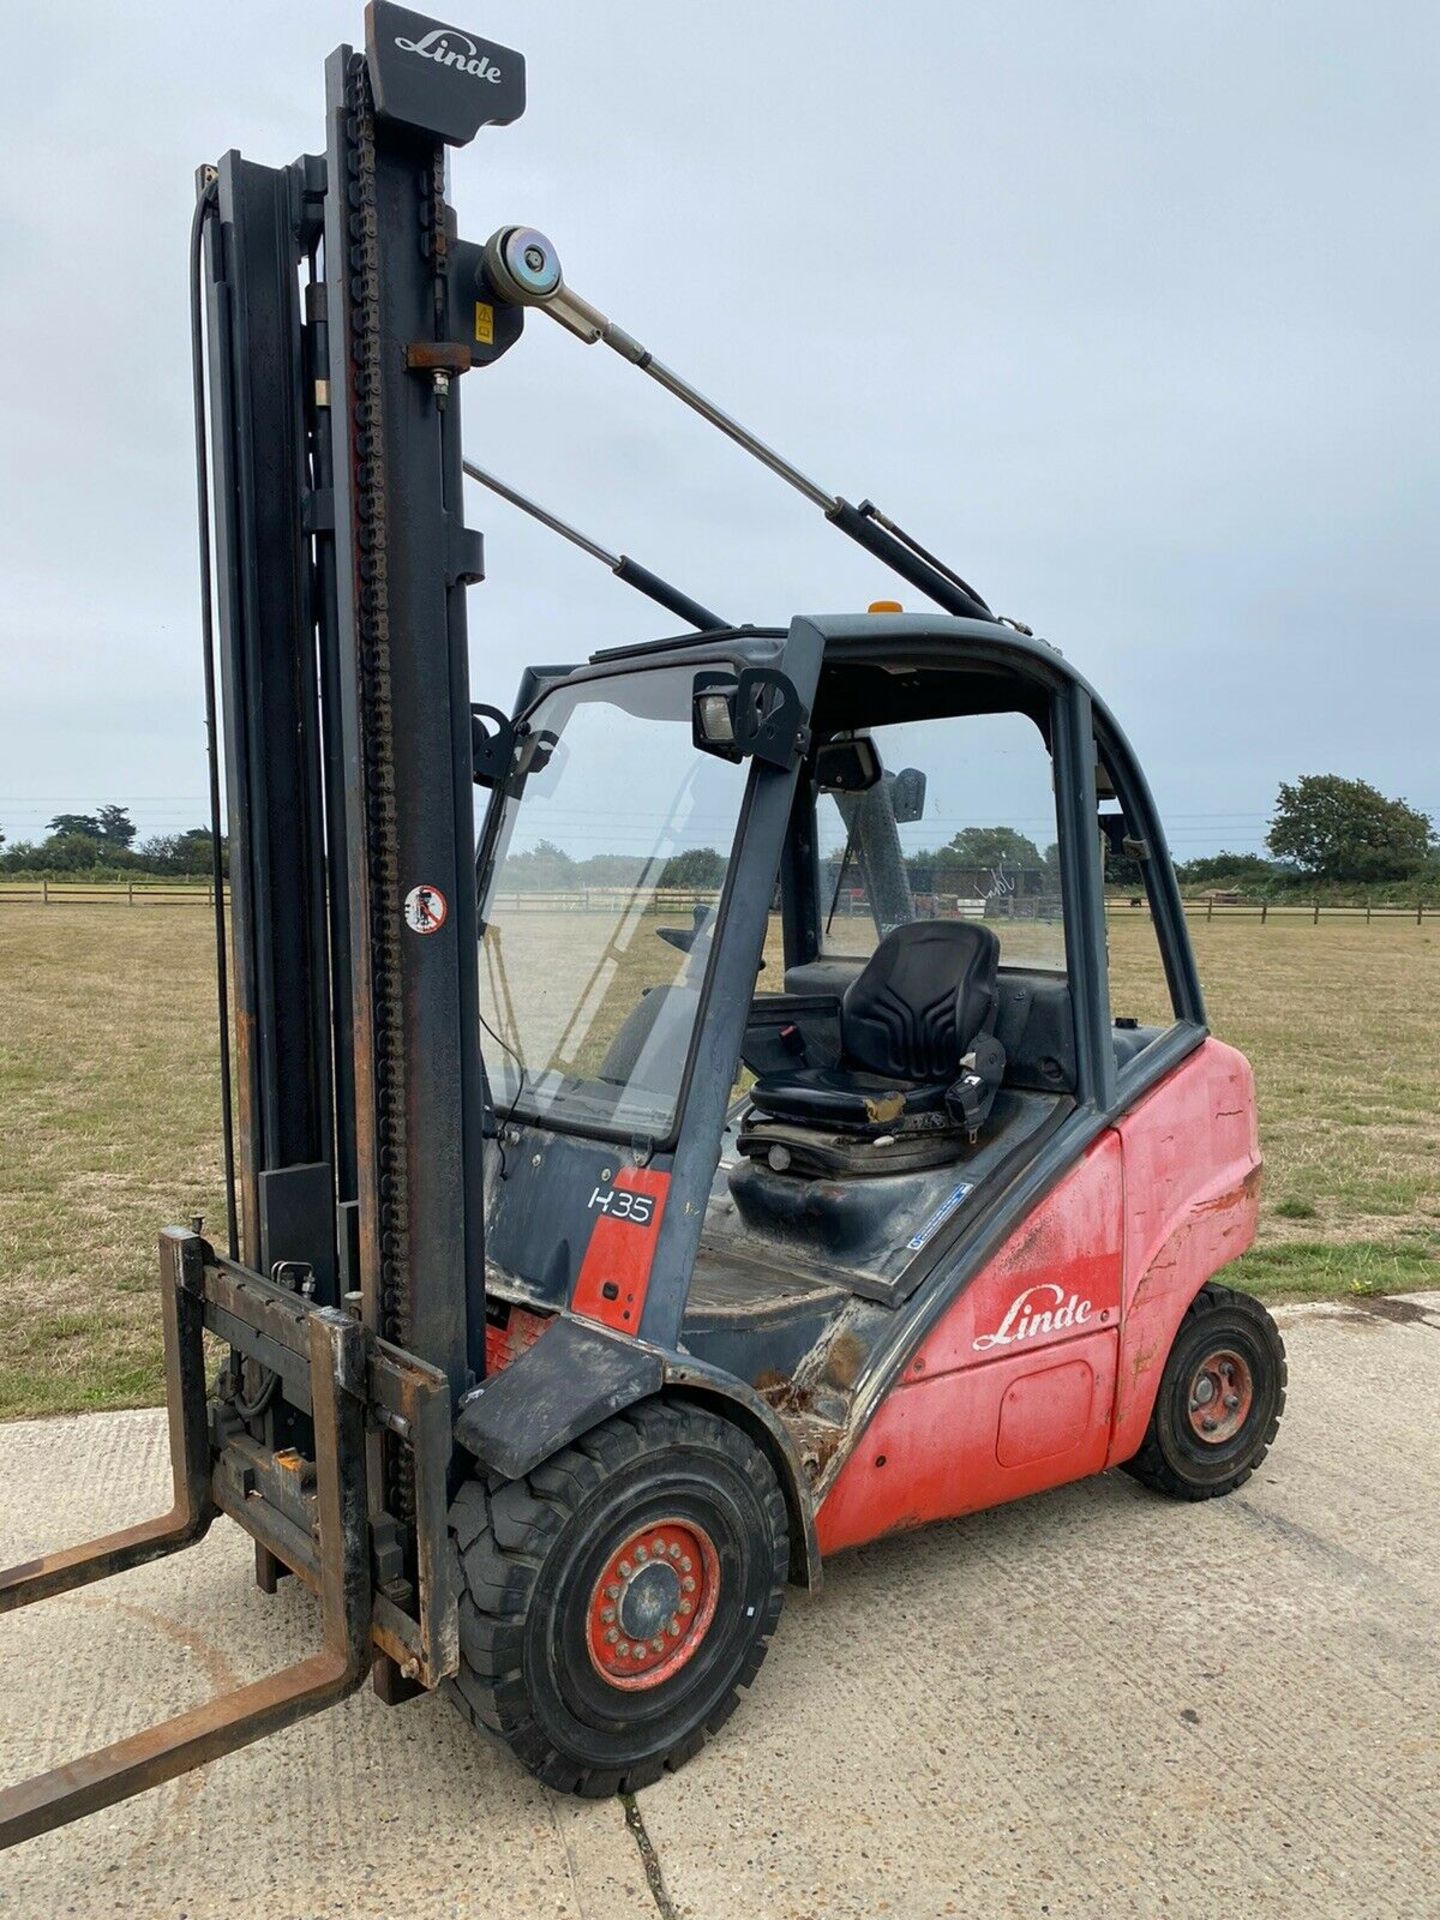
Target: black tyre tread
[
  {"x": 1150, "y": 1466},
  {"x": 501, "y": 1532}
]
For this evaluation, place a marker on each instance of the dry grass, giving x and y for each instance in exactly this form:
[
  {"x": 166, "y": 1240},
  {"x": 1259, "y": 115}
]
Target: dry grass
[
  {"x": 109, "y": 1129},
  {"x": 109, "y": 1121},
  {"x": 1342, "y": 1024}
]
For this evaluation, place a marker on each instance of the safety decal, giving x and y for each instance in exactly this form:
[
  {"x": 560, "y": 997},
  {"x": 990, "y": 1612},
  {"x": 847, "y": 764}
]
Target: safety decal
[
  {"x": 484, "y": 323},
  {"x": 937, "y": 1219},
  {"x": 425, "y": 910}
]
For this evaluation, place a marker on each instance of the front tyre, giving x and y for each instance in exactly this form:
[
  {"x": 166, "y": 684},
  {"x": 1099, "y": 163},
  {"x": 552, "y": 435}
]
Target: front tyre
[
  {"x": 1220, "y": 1400},
  {"x": 615, "y": 1600}
]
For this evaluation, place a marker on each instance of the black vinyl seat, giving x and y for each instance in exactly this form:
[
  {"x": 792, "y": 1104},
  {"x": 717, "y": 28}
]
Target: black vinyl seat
[
  {"x": 842, "y": 1097},
  {"x": 917, "y": 1045}
]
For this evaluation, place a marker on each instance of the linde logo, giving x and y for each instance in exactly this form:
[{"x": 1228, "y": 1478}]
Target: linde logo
[
  {"x": 1027, "y": 1316},
  {"x": 436, "y": 46}
]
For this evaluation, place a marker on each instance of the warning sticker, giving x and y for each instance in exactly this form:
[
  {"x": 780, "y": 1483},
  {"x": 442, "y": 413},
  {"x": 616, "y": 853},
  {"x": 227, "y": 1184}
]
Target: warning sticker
[
  {"x": 937, "y": 1219},
  {"x": 425, "y": 909},
  {"x": 484, "y": 324}
]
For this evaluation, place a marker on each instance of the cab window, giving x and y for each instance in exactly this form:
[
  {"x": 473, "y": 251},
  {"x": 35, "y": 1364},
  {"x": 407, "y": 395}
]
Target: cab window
[{"x": 959, "y": 824}]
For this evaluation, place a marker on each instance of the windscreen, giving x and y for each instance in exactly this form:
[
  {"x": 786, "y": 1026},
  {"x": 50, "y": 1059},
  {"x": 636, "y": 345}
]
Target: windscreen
[{"x": 600, "y": 904}]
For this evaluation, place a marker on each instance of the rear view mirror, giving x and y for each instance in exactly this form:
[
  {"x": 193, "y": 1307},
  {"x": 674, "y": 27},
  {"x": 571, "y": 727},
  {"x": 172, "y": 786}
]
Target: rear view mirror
[
  {"x": 907, "y": 795},
  {"x": 848, "y": 766}
]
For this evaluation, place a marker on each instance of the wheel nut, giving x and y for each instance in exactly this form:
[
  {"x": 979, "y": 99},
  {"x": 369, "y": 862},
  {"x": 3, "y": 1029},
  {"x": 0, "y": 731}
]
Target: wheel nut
[
  {"x": 688, "y": 1584},
  {"x": 673, "y": 1551},
  {"x": 687, "y": 1563},
  {"x": 1232, "y": 1400},
  {"x": 657, "y": 1546},
  {"x": 612, "y": 1593},
  {"x": 657, "y": 1644},
  {"x": 1209, "y": 1425},
  {"x": 625, "y": 1569},
  {"x": 607, "y": 1613},
  {"x": 642, "y": 1553},
  {"x": 613, "y": 1635},
  {"x": 687, "y": 1606},
  {"x": 623, "y": 1649},
  {"x": 674, "y": 1627}
]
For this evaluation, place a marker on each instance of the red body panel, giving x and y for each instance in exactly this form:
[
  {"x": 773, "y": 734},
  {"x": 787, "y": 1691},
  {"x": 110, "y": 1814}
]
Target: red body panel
[
  {"x": 1045, "y": 1367},
  {"x": 1192, "y": 1193},
  {"x": 614, "y": 1276}
]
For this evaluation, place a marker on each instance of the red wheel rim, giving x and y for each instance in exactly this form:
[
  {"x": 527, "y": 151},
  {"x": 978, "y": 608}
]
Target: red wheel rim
[
  {"x": 1220, "y": 1395},
  {"x": 653, "y": 1604}
]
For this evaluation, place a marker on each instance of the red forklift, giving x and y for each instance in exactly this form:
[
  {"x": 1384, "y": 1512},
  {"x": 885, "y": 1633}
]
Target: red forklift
[{"x": 657, "y": 1177}]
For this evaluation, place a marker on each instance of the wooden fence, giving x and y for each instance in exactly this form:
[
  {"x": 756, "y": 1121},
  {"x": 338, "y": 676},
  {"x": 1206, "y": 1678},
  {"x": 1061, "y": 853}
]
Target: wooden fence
[
  {"x": 99, "y": 893},
  {"x": 1263, "y": 910},
  {"x": 684, "y": 900}
]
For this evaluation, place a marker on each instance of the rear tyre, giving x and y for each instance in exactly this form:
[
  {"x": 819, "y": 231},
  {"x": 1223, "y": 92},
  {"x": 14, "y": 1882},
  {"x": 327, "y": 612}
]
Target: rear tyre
[
  {"x": 615, "y": 1600},
  {"x": 1220, "y": 1400}
]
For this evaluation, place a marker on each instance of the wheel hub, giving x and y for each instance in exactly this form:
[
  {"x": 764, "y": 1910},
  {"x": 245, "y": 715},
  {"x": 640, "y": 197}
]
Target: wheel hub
[
  {"x": 1221, "y": 1393},
  {"x": 653, "y": 1603}
]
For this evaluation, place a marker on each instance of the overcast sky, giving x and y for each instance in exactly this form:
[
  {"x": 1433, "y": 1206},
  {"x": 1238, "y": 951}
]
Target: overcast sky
[{"x": 1129, "y": 310}]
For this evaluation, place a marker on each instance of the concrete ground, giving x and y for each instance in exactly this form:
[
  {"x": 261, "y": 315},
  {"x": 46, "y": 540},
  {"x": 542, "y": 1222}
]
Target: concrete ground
[{"x": 1093, "y": 1703}]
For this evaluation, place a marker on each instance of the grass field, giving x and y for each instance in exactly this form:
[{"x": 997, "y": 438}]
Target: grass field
[{"x": 109, "y": 1123}]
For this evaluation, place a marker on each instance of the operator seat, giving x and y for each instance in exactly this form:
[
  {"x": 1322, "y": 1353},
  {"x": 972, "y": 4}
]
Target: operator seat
[{"x": 918, "y": 1051}]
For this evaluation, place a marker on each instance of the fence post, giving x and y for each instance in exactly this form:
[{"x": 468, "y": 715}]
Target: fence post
[
  {"x": 1419, "y": 912},
  {"x": 1367, "y": 913},
  {"x": 44, "y": 893},
  {"x": 1316, "y": 921},
  {"x": 130, "y": 893},
  {"x": 1210, "y": 908},
  {"x": 1264, "y": 910}
]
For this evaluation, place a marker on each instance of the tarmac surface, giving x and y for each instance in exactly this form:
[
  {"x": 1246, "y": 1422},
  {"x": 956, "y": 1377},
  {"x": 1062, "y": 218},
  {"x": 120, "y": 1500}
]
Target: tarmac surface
[{"x": 1092, "y": 1703}]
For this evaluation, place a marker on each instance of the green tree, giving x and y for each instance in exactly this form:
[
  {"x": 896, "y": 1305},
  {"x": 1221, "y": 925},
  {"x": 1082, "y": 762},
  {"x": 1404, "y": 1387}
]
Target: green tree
[
  {"x": 71, "y": 853},
  {"x": 984, "y": 849},
  {"x": 68, "y": 825},
  {"x": 696, "y": 867},
  {"x": 544, "y": 868},
  {"x": 990, "y": 847},
  {"x": 1338, "y": 829},
  {"x": 117, "y": 829},
  {"x": 193, "y": 851},
  {"x": 181, "y": 853},
  {"x": 1226, "y": 866}
]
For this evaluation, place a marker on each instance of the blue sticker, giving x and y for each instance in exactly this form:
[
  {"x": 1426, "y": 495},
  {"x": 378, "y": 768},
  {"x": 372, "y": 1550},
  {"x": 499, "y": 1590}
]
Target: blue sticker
[{"x": 939, "y": 1217}]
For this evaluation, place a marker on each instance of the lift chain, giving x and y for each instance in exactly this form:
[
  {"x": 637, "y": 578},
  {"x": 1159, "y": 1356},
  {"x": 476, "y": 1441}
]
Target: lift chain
[{"x": 377, "y": 732}]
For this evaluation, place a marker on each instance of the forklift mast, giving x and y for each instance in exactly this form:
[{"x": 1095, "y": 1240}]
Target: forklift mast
[
  {"x": 341, "y": 316},
  {"x": 334, "y": 311}
]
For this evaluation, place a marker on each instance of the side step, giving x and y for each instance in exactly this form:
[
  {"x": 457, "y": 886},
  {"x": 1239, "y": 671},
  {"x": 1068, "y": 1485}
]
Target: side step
[{"x": 340, "y": 1569}]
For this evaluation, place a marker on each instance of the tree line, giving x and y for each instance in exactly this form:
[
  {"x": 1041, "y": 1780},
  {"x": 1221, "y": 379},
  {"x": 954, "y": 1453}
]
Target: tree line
[
  {"x": 1325, "y": 829},
  {"x": 106, "y": 843}
]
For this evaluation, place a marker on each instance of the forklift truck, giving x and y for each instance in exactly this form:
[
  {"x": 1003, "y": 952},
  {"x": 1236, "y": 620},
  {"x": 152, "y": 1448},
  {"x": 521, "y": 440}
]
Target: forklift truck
[{"x": 588, "y": 1277}]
